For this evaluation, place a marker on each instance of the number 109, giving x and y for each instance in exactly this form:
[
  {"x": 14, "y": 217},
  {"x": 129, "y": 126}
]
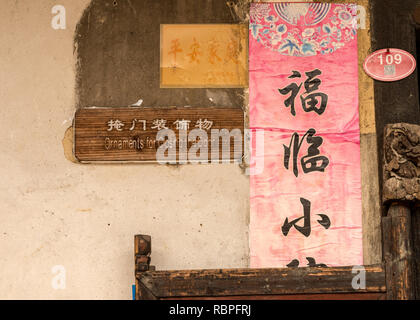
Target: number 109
[{"x": 390, "y": 59}]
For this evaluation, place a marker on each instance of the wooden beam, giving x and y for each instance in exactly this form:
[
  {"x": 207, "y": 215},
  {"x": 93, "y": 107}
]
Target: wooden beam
[
  {"x": 401, "y": 190},
  {"x": 251, "y": 282},
  {"x": 143, "y": 293},
  {"x": 332, "y": 296}
]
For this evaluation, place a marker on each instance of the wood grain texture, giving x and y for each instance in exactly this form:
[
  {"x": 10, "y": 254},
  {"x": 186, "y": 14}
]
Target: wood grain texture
[
  {"x": 143, "y": 293},
  {"x": 333, "y": 296},
  {"x": 393, "y": 26},
  {"x": 371, "y": 204},
  {"x": 142, "y": 251},
  {"x": 372, "y": 236},
  {"x": 94, "y": 143},
  {"x": 398, "y": 253},
  {"x": 252, "y": 282},
  {"x": 416, "y": 245}
]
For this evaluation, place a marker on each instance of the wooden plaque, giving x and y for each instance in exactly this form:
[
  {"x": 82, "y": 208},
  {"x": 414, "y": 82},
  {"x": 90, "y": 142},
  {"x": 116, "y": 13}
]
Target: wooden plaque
[
  {"x": 129, "y": 134},
  {"x": 204, "y": 56}
]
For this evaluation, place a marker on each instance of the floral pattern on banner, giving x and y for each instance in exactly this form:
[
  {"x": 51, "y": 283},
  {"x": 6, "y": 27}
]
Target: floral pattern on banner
[{"x": 304, "y": 29}]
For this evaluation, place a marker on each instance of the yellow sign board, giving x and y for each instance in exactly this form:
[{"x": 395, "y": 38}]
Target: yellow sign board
[{"x": 203, "y": 56}]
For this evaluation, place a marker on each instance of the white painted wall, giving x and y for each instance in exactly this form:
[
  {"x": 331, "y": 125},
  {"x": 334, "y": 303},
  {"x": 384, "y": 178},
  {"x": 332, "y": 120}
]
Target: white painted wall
[{"x": 84, "y": 217}]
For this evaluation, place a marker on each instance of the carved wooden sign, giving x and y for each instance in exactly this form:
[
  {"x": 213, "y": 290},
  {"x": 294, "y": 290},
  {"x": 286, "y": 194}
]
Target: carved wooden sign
[{"x": 163, "y": 135}]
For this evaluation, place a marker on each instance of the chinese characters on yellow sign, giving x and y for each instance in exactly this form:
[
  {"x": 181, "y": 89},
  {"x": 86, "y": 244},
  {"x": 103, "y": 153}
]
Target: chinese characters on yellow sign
[{"x": 203, "y": 56}]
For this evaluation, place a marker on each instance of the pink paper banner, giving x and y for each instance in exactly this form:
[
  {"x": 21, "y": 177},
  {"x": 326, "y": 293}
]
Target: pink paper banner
[{"x": 306, "y": 203}]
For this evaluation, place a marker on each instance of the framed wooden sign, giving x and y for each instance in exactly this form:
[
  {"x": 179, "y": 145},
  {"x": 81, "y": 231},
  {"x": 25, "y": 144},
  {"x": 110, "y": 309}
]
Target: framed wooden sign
[{"x": 163, "y": 135}]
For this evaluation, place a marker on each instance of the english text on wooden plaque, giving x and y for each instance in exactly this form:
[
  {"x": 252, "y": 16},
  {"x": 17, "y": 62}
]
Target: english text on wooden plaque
[{"x": 163, "y": 135}]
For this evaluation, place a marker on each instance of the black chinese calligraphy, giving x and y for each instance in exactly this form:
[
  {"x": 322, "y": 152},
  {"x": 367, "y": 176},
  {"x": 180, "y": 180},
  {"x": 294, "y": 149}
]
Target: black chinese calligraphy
[
  {"x": 306, "y": 228},
  {"x": 312, "y": 161},
  {"x": 310, "y": 100},
  {"x": 311, "y": 263},
  {"x": 294, "y": 89}
]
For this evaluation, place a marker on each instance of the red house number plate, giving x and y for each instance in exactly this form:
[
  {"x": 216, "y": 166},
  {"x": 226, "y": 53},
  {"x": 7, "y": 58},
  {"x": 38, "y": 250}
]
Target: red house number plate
[{"x": 389, "y": 64}]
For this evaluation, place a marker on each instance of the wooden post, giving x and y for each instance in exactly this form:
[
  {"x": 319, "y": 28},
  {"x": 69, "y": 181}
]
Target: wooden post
[
  {"x": 416, "y": 244},
  {"x": 398, "y": 101},
  {"x": 142, "y": 251},
  {"x": 401, "y": 192},
  {"x": 398, "y": 253}
]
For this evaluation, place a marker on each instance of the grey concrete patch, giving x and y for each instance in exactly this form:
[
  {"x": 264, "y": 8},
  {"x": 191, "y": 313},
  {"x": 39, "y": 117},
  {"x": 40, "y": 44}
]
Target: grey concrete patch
[{"x": 118, "y": 53}]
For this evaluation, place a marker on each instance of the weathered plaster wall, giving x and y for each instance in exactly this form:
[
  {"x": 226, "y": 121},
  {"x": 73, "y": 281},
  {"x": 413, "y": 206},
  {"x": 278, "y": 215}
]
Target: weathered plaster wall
[{"x": 55, "y": 212}]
